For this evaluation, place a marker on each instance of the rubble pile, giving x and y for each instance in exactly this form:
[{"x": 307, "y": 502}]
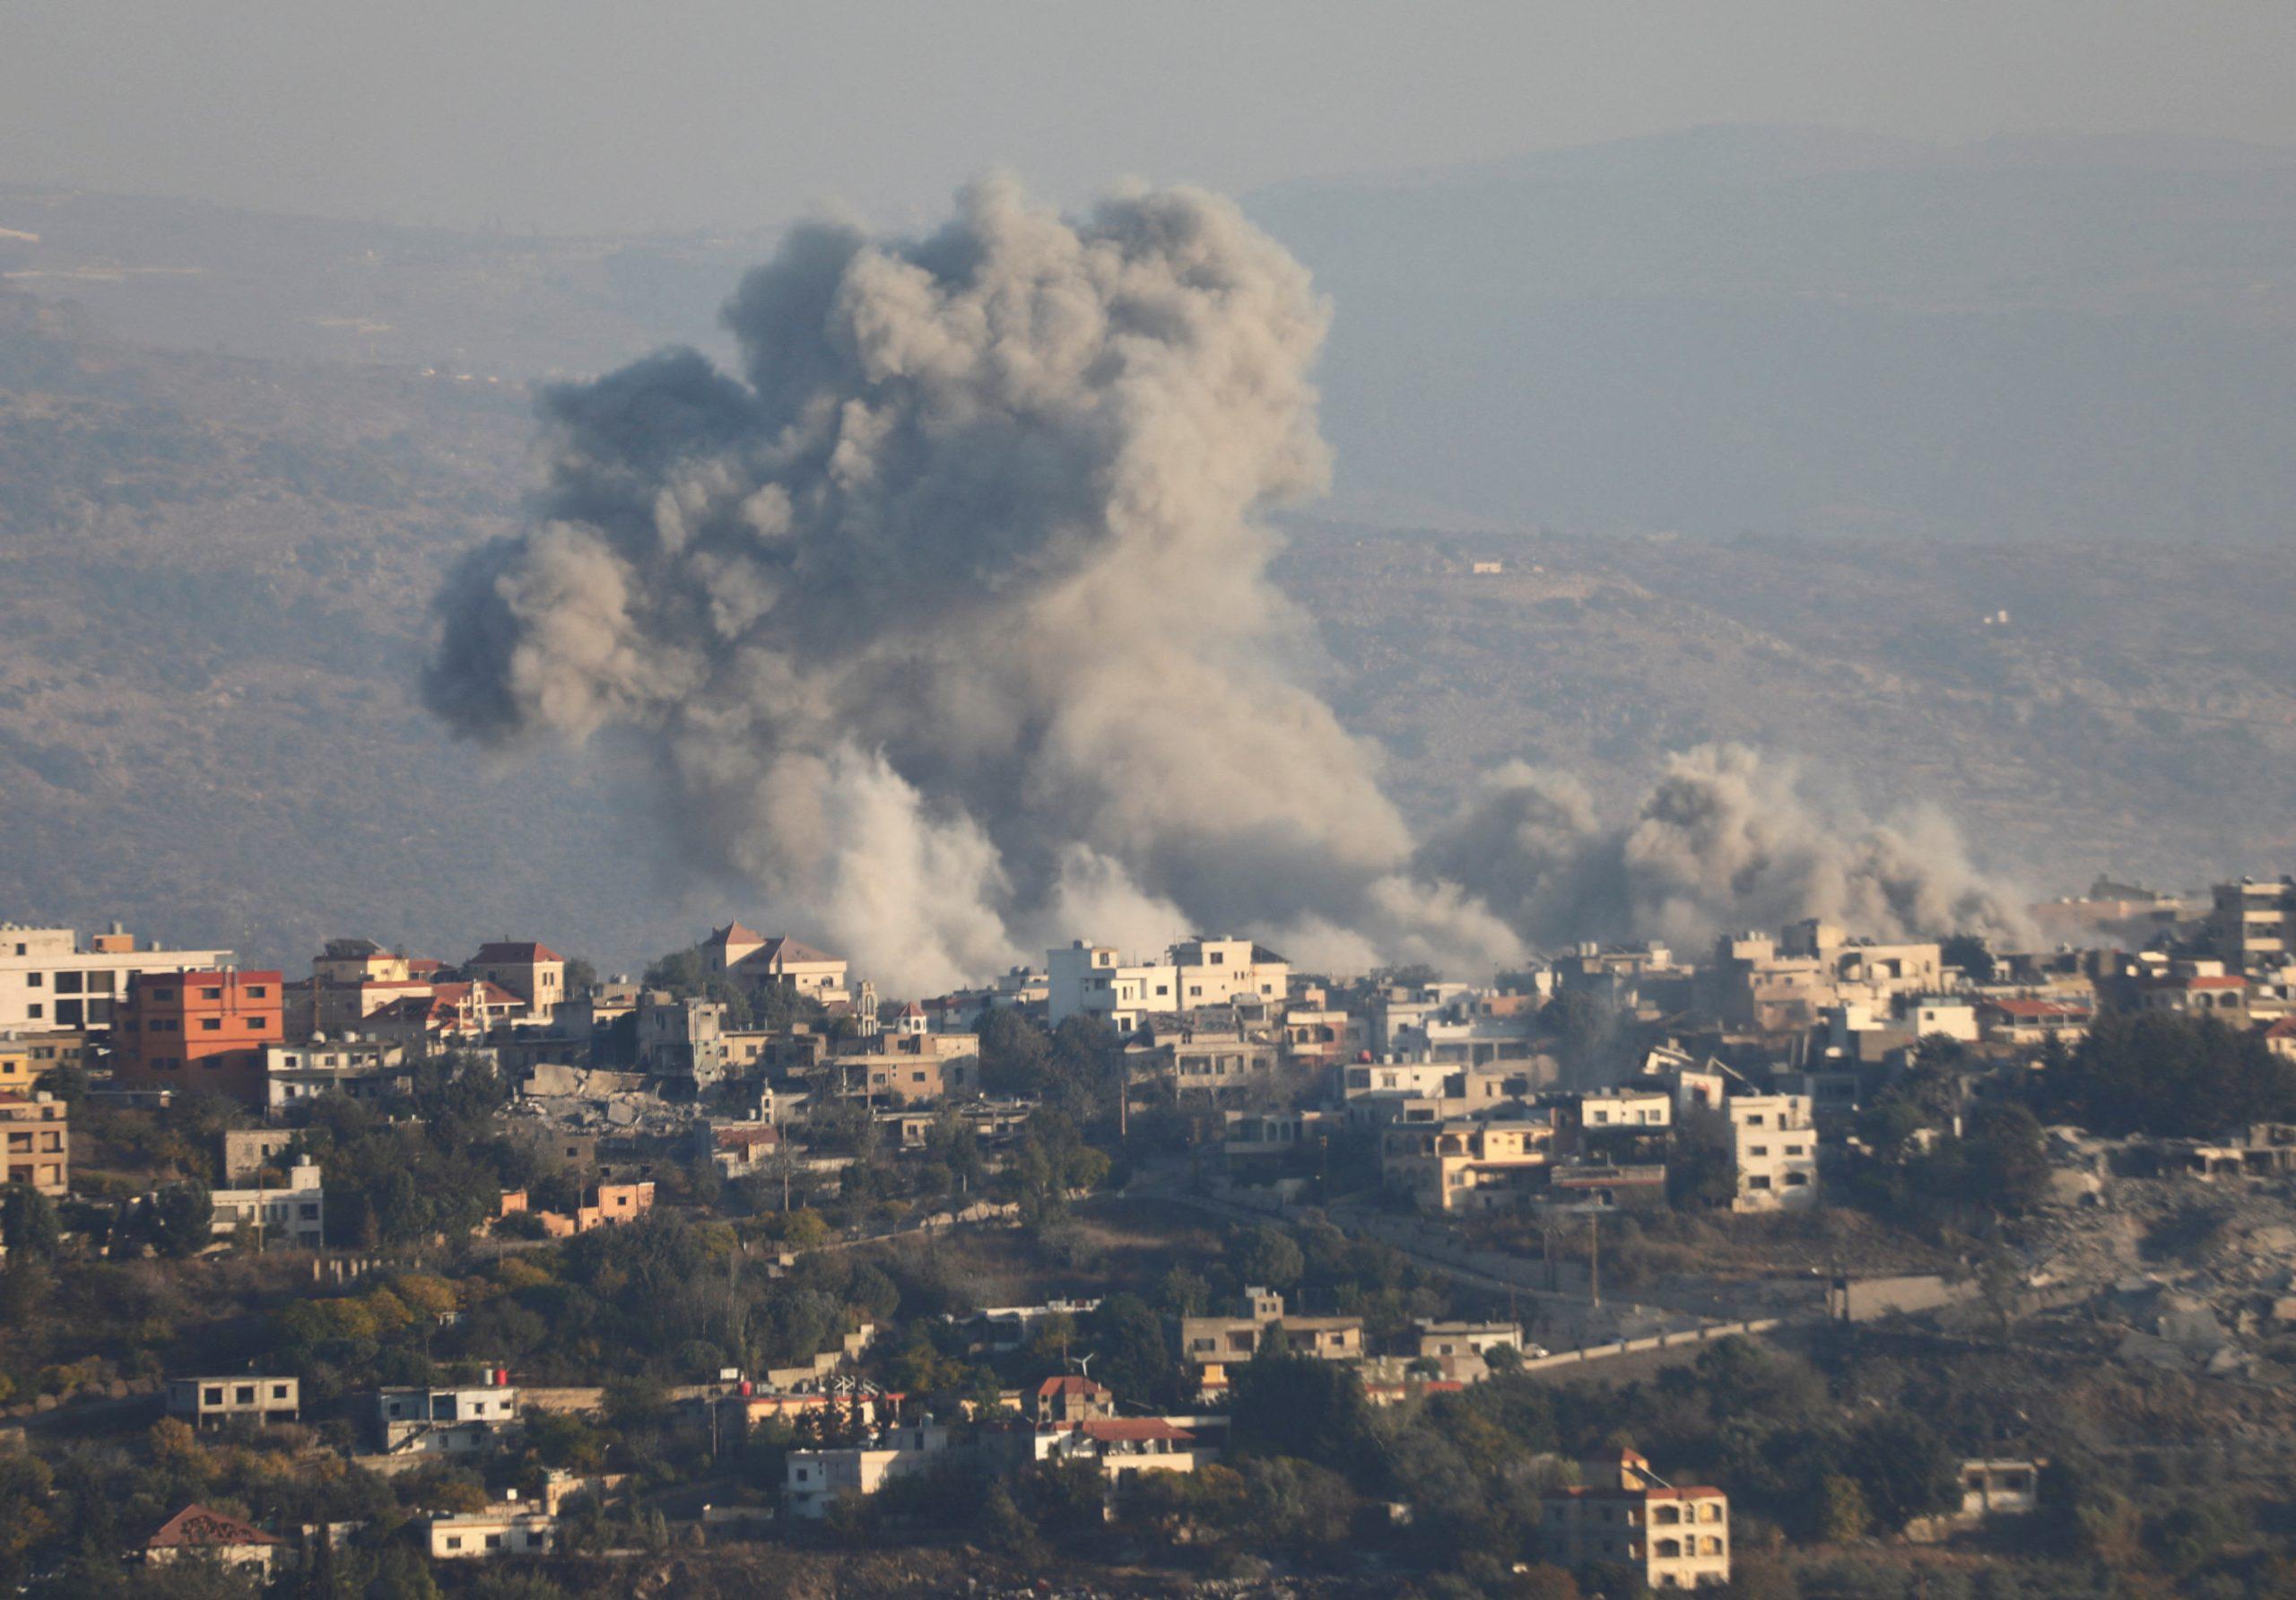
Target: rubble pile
[{"x": 2198, "y": 1276}]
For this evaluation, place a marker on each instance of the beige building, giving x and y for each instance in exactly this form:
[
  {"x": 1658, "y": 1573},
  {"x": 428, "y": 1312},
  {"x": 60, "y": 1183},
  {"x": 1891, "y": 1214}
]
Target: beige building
[
  {"x": 248, "y": 1397},
  {"x": 25, "y": 1059},
  {"x": 1623, "y": 1514},
  {"x": 37, "y": 1130},
  {"x": 1464, "y": 1165},
  {"x": 2252, "y": 926},
  {"x": 1211, "y": 1345},
  {"x": 507, "y": 1528},
  {"x": 49, "y": 980},
  {"x": 536, "y": 973},
  {"x": 747, "y": 955}
]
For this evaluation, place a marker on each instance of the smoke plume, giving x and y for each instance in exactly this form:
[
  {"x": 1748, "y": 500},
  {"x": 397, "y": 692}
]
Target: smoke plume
[{"x": 947, "y": 628}]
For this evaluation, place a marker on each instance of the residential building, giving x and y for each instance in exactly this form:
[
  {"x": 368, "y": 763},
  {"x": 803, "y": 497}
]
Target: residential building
[
  {"x": 37, "y": 1129},
  {"x": 1261, "y": 1142},
  {"x": 1089, "y": 979},
  {"x": 1093, "y": 979},
  {"x": 507, "y": 1528},
  {"x": 688, "y": 1038},
  {"x": 1774, "y": 1140},
  {"x": 27, "y": 1058},
  {"x": 48, "y": 979},
  {"x": 1212, "y": 1344},
  {"x": 202, "y": 1029},
  {"x": 292, "y": 1218},
  {"x": 210, "y": 1537},
  {"x": 1124, "y": 1447},
  {"x": 1623, "y": 1514},
  {"x": 1072, "y": 1398},
  {"x": 2031, "y": 1020},
  {"x": 350, "y": 1066},
  {"x": 2252, "y": 924},
  {"x": 536, "y": 973},
  {"x": 1464, "y": 1165},
  {"x": 748, "y": 956},
  {"x": 2195, "y": 988},
  {"x": 1461, "y": 1347},
  {"x": 246, "y": 1397},
  {"x": 1204, "y": 1058},
  {"x": 247, "y": 1151},
  {"x": 447, "y": 1421},
  {"x": 814, "y": 1481}
]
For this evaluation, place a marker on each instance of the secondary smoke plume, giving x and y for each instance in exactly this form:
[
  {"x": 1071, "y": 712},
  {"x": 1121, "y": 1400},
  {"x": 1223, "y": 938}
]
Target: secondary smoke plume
[
  {"x": 1724, "y": 840},
  {"x": 946, "y": 625}
]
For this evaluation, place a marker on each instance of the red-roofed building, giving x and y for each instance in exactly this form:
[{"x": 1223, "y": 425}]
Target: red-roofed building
[
  {"x": 2199, "y": 994},
  {"x": 1070, "y": 1398},
  {"x": 201, "y": 1029},
  {"x": 200, "y": 1534},
  {"x": 2280, "y": 1039},
  {"x": 1122, "y": 1447},
  {"x": 536, "y": 973},
  {"x": 1625, "y": 1513},
  {"x": 745, "y": 953}
]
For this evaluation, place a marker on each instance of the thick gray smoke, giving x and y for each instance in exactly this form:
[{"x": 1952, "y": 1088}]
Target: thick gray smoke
[
  {"x": 1724, "y": 840},
  {"x": 946, "y": 623}
]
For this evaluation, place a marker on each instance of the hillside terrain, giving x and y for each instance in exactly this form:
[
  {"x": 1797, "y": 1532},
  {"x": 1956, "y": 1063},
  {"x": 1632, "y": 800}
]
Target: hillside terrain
[{"x": 2136, "y": 712}]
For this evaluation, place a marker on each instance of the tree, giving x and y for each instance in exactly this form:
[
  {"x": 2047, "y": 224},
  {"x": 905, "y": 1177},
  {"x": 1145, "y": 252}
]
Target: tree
[
  {"x": 1266, "y": 1257},
  {"x": 182, "y": 1218},
  {"x": 28, "y": 1222},
  {"x": 2005, "y": 1159},
  {"x": 1902, "y": 1469},
  {"x": 2170, "y": 1076},
  {"x": 1701, "y": 1170},
  {"x": 1292, "y": 1405},
  {"x": 1842, "y": 1513}
]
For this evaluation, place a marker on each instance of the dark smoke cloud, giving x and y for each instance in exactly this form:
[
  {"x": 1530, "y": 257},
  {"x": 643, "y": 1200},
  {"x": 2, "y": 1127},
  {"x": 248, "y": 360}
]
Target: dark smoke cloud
[{"x": 946, "y": 624}]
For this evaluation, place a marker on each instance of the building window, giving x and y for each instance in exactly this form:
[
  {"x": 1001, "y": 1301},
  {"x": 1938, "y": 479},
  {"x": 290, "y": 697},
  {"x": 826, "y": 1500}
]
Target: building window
[{"x": 210, "y": 1024}]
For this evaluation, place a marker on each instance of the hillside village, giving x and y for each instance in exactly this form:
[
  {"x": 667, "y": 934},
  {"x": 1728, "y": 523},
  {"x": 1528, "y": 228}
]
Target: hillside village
[{"x": 1634, "y": 1269}]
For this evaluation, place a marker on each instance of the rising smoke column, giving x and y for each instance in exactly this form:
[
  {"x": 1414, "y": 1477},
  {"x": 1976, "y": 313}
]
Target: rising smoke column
[
  {"x": 945, "y": 627},
  {"x": 947, "y": 623}
]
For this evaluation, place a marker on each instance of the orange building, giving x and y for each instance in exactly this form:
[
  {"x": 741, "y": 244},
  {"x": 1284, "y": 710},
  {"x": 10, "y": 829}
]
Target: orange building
[{"x": 205, "y": 1029}]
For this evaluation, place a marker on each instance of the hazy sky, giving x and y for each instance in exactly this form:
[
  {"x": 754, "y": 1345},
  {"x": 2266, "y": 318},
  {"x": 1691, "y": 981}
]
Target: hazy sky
[{"x": 579, "y": 114}]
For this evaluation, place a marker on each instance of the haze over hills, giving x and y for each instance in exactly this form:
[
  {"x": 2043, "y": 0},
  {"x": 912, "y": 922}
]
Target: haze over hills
[
  {"x": 1804, "y": 330},
  {"x": 2053, "y": 378}
]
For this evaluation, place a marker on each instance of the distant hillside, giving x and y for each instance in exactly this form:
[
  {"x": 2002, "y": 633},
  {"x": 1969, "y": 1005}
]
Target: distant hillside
[
  {"x": 1800, "y": 332},
  {"x": 2054, "y": 377},
  {"x": 213, "y": 576},
  {"x": 2136, "y": 712}
]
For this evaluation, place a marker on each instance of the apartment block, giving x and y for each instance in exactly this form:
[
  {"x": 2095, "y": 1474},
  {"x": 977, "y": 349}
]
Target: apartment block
[
  {"x": 37, "y": 1130},
  {"x": 205, "y": 1029}
]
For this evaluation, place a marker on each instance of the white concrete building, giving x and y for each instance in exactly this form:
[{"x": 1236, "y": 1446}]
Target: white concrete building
[
  {"x": 814, "y": 1481},
  {"x": 446, "y": 1422},
  {"x": 48, "y": 979},
  {"x": 1774, "y": 1139},
  {"x": 292, "y": 1218}
]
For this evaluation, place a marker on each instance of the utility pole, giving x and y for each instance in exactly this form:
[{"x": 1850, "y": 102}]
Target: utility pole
[{"x": 1595, "y": 1256}]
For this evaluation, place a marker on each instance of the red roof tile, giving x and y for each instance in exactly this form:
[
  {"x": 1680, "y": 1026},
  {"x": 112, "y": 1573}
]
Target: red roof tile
[{"x": 195, "y": 1526}]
